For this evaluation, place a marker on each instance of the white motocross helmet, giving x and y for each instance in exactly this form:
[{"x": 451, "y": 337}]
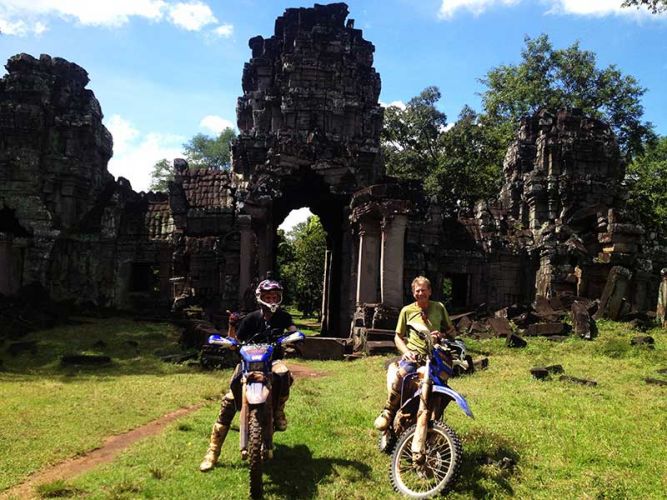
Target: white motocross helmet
[{"x": 269, "y": 286}]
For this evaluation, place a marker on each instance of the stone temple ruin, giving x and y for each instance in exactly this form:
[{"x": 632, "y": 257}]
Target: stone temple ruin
[{"x": 309, "y": 122}]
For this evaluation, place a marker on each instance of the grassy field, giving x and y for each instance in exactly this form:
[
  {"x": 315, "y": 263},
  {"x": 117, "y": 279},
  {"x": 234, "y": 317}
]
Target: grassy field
[{"x": 557, "y": 439}]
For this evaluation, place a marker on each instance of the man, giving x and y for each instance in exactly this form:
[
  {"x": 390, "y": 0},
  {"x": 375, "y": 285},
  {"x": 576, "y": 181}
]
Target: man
[
  {"x": 661, "y": 311},
  {"x": 269, "y": 316},
  {"x": 413, "y": 317}
]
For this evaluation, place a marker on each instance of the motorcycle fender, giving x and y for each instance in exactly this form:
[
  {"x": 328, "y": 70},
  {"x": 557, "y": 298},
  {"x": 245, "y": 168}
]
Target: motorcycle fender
[
  {"x": 460, "y": 400},
  {"x": 256, "y": 393}
]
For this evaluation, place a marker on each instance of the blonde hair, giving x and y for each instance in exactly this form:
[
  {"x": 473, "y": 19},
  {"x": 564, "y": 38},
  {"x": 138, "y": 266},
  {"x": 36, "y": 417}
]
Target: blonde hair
[{"x": 421, "y": 279}]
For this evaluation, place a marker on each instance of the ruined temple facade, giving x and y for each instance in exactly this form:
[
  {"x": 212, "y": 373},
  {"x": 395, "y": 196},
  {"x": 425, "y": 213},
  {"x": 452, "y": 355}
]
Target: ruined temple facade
[{"x": 309, "y": 123}]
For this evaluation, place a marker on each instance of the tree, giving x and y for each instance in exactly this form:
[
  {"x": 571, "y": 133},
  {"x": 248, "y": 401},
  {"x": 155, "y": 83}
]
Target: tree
[
  {"x": 205, "y": 151},
  {"x": 201, "y": 151},
  {"x": 458, "y": 165},
  {"x": 469, "y": 164},
  {"x": 655, "y": 6},
  {"x": 410, "y": 136},
  {"x": 647, "y": 179},
  {"x": 161, "y": 174},
  {"x": 566, "y": 78},
  {"x": 304, "y": 273}
]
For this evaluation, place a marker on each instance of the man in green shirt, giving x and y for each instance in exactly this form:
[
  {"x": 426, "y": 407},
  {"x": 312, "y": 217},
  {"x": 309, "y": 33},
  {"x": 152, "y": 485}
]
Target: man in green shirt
[
  {"x": 423, "y": 315},
  {"x": 661, "y": 312}
]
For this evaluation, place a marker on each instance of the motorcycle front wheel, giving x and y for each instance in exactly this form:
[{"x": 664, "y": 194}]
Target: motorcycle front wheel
[
  {"x": 436, "y": 472},
  {"x": 255, "y": 458}
]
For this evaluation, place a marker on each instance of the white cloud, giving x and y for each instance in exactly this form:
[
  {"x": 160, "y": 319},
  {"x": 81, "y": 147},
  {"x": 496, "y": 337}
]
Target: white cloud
[
  {"x": 597, "y": 8},
  {"x": 398, "y": 104},
  {"x": 135, "y": 153},
  {"x": 224, "y": 30},
  {"x": 98, "y": 13},
  {"x": 448, "y": 8},
  {"x": 191, "y": 16},
  {"x": 25, "y": 17},
  {"x": 215, "y": 124}
]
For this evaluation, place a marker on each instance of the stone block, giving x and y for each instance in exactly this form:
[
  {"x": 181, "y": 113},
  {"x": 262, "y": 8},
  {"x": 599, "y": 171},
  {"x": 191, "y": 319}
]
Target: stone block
[
  {"x": 546, "y": 329},
  {"x": 323, "y": 348}
]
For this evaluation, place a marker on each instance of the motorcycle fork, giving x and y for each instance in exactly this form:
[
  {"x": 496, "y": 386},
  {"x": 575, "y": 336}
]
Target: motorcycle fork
[
  {"x": 418, "y": 447},
  {"x": 243, "y": 424},
  {"x": 266, "y": 420}
]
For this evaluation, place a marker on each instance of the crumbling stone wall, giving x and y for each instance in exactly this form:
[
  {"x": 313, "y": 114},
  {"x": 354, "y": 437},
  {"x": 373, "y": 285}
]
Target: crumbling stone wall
[
  {"x": 309, "y": 122},
  {"x": 53, "y": 155}
]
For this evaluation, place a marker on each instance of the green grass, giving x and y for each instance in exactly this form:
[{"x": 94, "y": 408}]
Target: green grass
[
  {"x": 308, "y": 325},
  {"x": 49, "y": 412},
  {"x": 566, "y": 440}
]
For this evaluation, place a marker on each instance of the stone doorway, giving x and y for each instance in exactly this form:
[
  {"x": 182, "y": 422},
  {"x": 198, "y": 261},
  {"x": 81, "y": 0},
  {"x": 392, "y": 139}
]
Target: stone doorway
[{"x": 13, "y": 241}]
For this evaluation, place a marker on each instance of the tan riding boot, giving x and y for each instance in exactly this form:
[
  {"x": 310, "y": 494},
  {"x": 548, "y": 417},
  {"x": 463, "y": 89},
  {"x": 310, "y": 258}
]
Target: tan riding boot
[
  {"x": 218, "y": 434},
  {"x": 386, "y": 417},
  {"x": 279, "y": 418}
]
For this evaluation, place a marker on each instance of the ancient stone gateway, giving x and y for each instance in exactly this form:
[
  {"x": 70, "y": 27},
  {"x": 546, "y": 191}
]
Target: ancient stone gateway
[{"x": 309, "y": 124}]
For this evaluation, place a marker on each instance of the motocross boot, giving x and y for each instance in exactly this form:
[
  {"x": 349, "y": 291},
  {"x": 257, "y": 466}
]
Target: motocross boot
[
  {"x": 279, "y": 418},
  {"x": 218, "y": 434},
  {"x": 386, "y": 417}
]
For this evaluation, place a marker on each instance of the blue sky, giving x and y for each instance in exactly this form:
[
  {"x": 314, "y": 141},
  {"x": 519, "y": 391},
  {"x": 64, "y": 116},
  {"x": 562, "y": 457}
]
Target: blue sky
[{"x": 164, "y": 70}]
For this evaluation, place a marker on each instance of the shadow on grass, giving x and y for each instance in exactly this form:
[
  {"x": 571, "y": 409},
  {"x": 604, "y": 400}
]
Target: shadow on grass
[
  {"x": 489, "y": 465},
  {"x": 295, "y": 473}
]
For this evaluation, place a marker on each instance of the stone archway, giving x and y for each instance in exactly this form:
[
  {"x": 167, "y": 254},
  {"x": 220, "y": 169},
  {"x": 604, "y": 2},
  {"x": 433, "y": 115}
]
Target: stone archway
[{"x": 309, "y": 122}]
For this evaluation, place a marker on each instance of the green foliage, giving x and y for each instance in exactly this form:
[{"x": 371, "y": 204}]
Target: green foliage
[
  {"x": 647, "y": 178},
  {"x": 301, "y": 264},
  {"x": 161, "y": 174},
  {"x": 458, "y": 165},
  {"x": 468, "y": 167},
  {"x": 655, "y": 6},
  {"x": 204, "y": 151},
  {"x": 410, "y": 136},
  {"x": 201, "y": 151},
  {"x": 566, "y": 78}
]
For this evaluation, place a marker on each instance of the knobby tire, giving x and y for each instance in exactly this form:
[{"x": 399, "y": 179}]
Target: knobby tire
[
  {"x": 443, "y": 462},
  {"x": 255, "y": 457}
]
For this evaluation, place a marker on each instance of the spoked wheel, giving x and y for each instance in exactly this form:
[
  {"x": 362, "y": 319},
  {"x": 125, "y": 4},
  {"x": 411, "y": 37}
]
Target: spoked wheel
[
  {"x": 387, "y": 441},
  {"x": 439, "y": 469},
  {"x": 255, "y": 456}
]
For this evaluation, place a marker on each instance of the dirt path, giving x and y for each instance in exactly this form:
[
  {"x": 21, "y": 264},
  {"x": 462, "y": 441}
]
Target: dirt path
[{"x": 114, "y": 445}]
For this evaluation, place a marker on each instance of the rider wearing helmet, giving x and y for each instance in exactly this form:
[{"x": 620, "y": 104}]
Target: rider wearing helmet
[{"x": 260, "y": 325}]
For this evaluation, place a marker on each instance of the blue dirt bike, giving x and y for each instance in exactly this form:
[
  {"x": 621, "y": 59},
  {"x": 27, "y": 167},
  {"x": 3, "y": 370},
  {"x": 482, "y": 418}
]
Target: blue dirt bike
[
  {"x": 256, "y": 401},
  {"x": 426, "y": 453}
]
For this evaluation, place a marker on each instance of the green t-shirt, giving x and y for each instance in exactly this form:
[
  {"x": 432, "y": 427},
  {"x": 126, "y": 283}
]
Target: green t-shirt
[{"x": 437, "y": 319}]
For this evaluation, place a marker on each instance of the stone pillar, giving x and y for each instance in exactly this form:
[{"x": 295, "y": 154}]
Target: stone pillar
[
  {"x": 5, "y": 264},
  {"x": 393, "y": 252},
  {"x": 367, "y": 265},
  {"x": 247, "y": 255},
  {"x": 326, "y": 291}
]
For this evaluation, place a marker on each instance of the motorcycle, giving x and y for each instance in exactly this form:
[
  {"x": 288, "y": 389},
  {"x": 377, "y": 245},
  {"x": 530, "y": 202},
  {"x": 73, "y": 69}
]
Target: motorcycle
[
  {"x": 255, "y": 399},
  {"x": 426, "y": 453}
]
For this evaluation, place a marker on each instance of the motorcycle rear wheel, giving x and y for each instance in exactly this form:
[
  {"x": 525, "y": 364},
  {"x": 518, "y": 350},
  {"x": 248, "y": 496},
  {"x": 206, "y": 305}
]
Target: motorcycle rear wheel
[
  {"x": 255, "y": 456},
  {"x": 437, "y": 473}
]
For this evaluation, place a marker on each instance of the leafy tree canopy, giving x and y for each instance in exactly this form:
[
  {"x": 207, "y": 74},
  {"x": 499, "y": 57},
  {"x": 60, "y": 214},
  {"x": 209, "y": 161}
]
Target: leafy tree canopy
[
  {"x": 655, "y": 6},
  {"x": 561, "y": 78},
  {"x": 161, "y": 174},
  {"x": 410, "y": 136},
  {"x": 647, "y": 176},
  {"x": 301, "y": 264},
  {"x": 201, "y": 151},
  {"x": 205, "y": 151}
]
